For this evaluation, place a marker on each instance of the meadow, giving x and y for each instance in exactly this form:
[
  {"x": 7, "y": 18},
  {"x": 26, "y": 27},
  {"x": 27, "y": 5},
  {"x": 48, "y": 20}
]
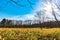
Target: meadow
[{"x": 29, "y": 34}]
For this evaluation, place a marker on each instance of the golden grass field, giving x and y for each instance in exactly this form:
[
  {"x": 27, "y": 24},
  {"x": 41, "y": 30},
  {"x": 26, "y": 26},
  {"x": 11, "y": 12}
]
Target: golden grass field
[
  {"x": 30, "y": 33},
  {"x": 44, "y": 30}
]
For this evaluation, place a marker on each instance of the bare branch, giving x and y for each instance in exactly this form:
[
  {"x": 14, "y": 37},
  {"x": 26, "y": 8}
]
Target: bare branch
[
  {"x": 54, "y": 14},
  {"x": 17, "y": 3},
  {"x": 57, "y": 6},
  {"x": 57, "y": 14},
  {"x": 48, "y": 18},
  {"x": 30, "y": 3}
]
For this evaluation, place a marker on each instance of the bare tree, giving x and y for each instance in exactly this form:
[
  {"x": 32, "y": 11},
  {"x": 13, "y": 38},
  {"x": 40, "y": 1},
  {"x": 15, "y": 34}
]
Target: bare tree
[
  {"x": 55, "y": 14},
  {"x": 40, "y": 15}
]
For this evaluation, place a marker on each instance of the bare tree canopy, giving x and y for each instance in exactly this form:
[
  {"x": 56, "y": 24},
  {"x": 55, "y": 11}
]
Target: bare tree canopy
[{"x": 52, "y": 9}]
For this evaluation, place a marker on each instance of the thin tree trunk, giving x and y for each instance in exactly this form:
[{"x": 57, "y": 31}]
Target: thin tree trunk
[{"x": 53, "y": 12}]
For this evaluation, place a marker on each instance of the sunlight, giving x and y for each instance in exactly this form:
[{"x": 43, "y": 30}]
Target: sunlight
[{"x": 48, "y": 7}]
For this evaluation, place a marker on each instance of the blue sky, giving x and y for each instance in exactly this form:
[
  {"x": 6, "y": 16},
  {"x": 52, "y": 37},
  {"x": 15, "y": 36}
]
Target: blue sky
[{"x": 10, "y": 10}]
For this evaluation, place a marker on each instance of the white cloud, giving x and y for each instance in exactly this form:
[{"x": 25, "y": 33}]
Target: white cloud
[
  {"x": 28, "y": 17},
  {"x": 23, "y": 17}
]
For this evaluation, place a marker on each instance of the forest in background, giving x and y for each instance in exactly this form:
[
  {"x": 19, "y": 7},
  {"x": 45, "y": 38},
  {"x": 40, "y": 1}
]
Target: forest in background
[{"x": 5, "y": 23}]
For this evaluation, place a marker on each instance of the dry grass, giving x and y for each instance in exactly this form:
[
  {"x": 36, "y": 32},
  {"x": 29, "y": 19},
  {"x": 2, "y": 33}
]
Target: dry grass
[
  {"x": 30, "y": 33},
  {"x": 43, "y": 30}
]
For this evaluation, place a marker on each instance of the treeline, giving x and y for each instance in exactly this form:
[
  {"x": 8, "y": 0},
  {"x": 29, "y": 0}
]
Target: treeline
[{"x": 5, "y": 23}]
